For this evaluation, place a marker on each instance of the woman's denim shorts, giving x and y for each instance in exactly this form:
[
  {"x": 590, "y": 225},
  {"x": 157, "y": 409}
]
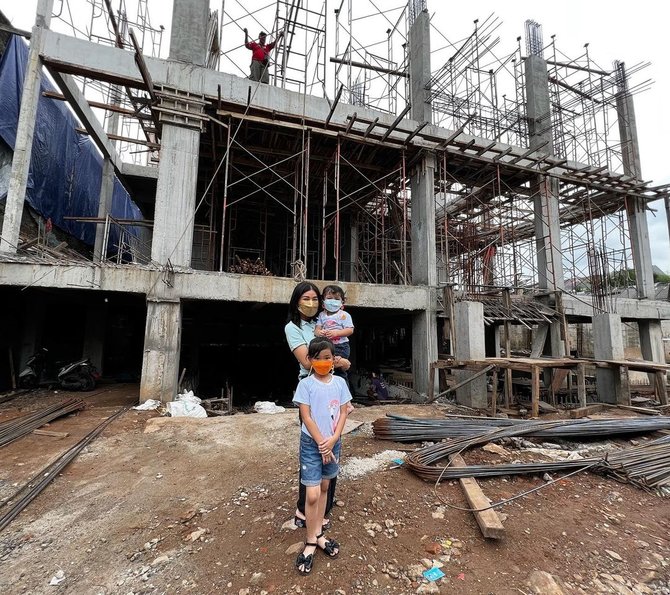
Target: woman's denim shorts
[{"x": 312, "y": 469}]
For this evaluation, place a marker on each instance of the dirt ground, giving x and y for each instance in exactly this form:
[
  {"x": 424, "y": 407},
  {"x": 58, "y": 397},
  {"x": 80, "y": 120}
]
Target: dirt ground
[{"x": 161, "y": 505}]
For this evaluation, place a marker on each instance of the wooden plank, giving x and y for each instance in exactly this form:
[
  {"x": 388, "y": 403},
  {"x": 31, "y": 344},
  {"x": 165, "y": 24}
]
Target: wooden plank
[
  {"x": 431, "y": 383},
  {"x": 586, "y": 411},
  {"x": 559, "y": 377},
  {"x": 581, "y": 384},
  {"x": 539, "y": 340},
  {"x": 660, "y": 388},
  {"x": 51, "y": 434},
  {"x": 457, "y": 386},
  {"x": 546, "y": 407},
  {"x": 535, "y": 391},
  {"x": 488, "y": 520}
]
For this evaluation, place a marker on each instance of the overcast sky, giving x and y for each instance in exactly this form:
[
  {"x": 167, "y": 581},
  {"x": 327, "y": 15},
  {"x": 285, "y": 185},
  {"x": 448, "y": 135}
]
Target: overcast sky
[{"x": 615, "y": 30}]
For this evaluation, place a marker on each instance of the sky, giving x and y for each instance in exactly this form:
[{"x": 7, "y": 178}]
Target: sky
[{"x": 615, "y": 30}]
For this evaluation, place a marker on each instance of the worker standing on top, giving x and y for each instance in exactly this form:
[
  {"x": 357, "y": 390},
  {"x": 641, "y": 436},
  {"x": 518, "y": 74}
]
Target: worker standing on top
[{"x": 260, "y": 57}]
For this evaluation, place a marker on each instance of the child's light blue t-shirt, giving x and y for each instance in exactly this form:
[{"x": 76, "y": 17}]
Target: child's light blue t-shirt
[
  {"x": 335, "y": 322},
  {"x": 324, "y": 400},
  {"x": 299, "y": 335}
]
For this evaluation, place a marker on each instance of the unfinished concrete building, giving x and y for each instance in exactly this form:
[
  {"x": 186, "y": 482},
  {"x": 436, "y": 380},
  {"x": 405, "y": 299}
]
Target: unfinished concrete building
[{"x": 454, "y": 200}]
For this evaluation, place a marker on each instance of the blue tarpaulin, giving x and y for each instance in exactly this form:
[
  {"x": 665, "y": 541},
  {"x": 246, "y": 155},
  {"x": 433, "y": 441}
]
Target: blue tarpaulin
[{"x": 65, "y": 166}]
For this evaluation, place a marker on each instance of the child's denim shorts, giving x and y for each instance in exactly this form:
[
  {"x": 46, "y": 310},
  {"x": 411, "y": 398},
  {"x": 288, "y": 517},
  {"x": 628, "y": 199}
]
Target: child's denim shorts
[{"x": 312, "y": 469}]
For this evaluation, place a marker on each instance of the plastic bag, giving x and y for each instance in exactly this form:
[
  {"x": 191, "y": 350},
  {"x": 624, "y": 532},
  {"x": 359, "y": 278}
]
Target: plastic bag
[
  {"x": 186, "y": 408},
  {"x": 267, "y": 407},
  {"x": 148, "y": 405}
]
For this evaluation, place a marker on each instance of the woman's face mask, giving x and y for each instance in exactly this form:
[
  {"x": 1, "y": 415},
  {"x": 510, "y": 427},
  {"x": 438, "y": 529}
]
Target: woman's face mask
[{"x": 308, "y": 306}]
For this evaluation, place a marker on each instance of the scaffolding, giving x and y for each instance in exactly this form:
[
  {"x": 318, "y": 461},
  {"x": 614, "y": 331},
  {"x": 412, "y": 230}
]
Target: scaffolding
[{"x": 331, "y": 199}]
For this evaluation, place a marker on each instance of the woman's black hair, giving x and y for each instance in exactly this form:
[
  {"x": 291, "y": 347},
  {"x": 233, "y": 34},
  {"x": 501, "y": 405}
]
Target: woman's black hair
[
  {"x": 317, "y": 345},
  {"x": 300, "y": 289}
]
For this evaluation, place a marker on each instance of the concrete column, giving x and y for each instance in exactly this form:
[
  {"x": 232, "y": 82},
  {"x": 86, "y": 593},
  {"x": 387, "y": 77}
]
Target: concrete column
[
  {"x": 104, "y": 208},
  {"x": 419, "y": 68},
  {"x": 424, "y": 270},
  {"x": 188, "y": 40},
  {"x": 608, "y": 345},
  {"x": 635, "y": 207},
  {"x": 23, "y": 147},
  {"x": 176, "y": 196},
  {"x": 470, "y": 344},
  {"x": 162, "y": 346},
  {"x": 545, "y": 191},
  {"x": 94, "y": 334}
]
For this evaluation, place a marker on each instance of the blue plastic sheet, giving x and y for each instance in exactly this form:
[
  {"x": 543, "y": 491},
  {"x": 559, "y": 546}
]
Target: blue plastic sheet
[{"x": 65, "y": 166}]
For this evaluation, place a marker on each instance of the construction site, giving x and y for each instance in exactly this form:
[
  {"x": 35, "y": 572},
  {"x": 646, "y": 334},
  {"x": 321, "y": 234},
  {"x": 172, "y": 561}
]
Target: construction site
[{"x": 480, "y": 199}]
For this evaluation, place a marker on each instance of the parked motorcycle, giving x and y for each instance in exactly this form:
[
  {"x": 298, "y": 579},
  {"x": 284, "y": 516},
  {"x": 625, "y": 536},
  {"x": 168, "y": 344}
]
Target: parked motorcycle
[
  {"x": 31, "y": 375},
  {"x": 79, "y": 375}
]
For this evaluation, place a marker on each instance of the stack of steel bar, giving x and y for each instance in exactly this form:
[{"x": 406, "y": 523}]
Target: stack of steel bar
[
  {"x": 14, "y": 429},
  {"x": 647, "y": 466},
  {"x": 406, "y": 429},
  {"x": 33, "y": 488}
]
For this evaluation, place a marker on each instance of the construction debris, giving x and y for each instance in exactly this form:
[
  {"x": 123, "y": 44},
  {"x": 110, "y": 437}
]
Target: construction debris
[
  {"x": 246, "y": 266},
  {"x": 14, "y": 429},
  {"x": 646, "y": 466},
  {"x": 40, "y": 481}
]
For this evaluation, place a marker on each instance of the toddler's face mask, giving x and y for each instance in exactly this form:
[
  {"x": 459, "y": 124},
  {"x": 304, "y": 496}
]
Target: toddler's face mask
[
  {"x": 322, "y": 366},
  {"x": 332, "y": 305}
]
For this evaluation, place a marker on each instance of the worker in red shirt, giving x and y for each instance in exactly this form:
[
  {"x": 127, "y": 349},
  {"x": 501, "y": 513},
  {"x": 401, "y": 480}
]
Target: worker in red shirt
[{"x": 260, "y": 56}]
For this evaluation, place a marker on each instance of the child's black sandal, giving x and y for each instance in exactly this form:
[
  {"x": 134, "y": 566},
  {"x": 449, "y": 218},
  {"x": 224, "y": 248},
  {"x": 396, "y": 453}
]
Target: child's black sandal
[
  {"x": 299, "y": 523},
  {"x": 305, "y": 561},
  {"x": 329, "y": 547}
]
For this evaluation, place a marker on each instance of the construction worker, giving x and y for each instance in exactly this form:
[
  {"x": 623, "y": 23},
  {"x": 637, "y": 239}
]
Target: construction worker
[{"x": 260, "y": 56}]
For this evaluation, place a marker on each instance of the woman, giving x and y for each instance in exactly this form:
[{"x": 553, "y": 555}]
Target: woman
[{"x": 303, "y": 309}]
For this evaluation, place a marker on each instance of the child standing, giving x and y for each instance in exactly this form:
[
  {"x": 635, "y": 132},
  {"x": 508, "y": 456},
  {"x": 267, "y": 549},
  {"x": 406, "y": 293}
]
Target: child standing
[
  {"x": 334, "y": 323},
  {"x": 322, "y": 399}
]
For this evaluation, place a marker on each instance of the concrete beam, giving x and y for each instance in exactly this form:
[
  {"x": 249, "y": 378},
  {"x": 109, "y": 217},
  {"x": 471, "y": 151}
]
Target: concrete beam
[
  {"x": 629, "y": 309},
  {"x": 77, "y": 56},
  {"x": 84, "y": 112},
  {"x": 139, "y": 171},
  {"x": 201, "y": 285}
]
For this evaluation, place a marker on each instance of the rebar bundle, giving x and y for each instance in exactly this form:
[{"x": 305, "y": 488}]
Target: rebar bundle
[
  {"x": 37, "y": 483},
  {"x": 13, "y": 429},
  {"x": 406, "y": 429},
  {"x": 646, "y": 466}
]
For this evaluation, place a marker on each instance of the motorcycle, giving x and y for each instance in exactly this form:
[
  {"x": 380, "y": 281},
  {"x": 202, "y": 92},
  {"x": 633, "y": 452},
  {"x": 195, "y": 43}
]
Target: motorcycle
[
  {"x": 79, "y": 375},
  {"x": 31, "y": 375}
]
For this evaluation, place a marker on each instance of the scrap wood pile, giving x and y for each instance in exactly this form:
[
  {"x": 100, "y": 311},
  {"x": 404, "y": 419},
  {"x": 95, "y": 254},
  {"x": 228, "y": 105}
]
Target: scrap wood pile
[
  {"x": 646, "y": 466},
  {"x": 15, "y": 428},
  {"x": 247, "y": 266}
]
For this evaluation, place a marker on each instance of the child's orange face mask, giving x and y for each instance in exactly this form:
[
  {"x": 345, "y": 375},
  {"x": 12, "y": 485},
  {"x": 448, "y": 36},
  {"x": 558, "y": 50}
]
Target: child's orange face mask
[{"x": 322, "y": 366}]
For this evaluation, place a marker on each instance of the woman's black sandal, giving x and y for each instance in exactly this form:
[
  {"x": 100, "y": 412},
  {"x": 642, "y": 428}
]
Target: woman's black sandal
[
  {"x": 330, "y": 546},
  {"x": 305, "y": 561}
]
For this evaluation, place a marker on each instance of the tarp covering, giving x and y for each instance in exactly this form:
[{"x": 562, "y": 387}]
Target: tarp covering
[{"x": 65, "y": 166}]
